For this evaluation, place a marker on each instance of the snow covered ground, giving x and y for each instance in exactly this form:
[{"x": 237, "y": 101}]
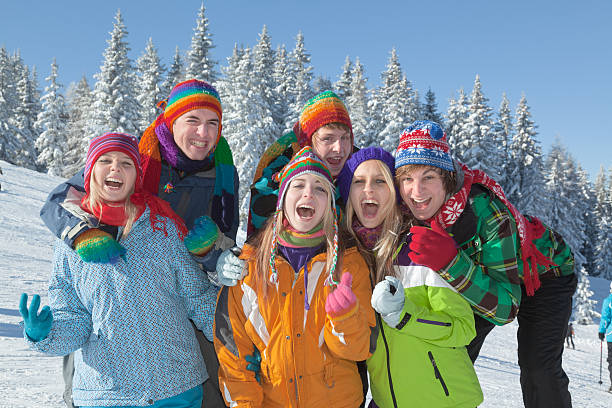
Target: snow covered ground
[{"x": 30, "y": 379}]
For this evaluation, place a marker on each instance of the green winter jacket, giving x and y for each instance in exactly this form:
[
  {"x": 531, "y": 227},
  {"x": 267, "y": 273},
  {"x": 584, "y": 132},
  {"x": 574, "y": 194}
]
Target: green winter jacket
[
  {"x": 488, "y": 268},
  {"x": 425, "y": 356}
]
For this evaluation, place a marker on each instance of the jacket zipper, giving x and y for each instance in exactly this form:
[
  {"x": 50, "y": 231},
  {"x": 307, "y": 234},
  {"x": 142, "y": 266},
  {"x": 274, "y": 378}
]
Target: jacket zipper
[
  {"x": 437, "y": 373},
  {"x": 382, "y": 332}
]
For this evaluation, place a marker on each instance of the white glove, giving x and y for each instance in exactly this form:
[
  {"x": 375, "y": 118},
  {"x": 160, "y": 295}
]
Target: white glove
[
  {"x": 389, "y": 305},
  {"x": 230, "y": 269}
]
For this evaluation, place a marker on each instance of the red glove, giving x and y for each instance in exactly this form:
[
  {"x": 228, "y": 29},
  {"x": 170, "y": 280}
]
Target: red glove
[
  {"x": 342, "y": 299},
  {"x": 432, "y": 247}
]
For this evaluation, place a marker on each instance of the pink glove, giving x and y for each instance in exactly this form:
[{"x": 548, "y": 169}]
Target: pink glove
[
  {"x": 342, "y": 299},
  {"x": 432, "y": 247}
]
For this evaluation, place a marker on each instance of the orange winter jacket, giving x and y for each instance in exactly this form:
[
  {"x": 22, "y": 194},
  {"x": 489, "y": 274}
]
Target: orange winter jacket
[{"x": 307, "y": 357}]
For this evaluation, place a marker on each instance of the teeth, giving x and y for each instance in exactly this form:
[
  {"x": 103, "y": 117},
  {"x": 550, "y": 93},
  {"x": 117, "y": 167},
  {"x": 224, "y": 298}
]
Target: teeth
[
  {"x": 306, "y": 207},
  {"x": 420, "y": 201},
  {"x": 198, "y": 144},
  {"x": 370, "y": 202},
  {"x": 114, "y": 180}
]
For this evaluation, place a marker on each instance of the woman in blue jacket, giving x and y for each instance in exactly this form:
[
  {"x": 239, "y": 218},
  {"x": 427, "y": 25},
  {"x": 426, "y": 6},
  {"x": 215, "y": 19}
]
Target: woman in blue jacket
[{"x": 127, "y": 320}]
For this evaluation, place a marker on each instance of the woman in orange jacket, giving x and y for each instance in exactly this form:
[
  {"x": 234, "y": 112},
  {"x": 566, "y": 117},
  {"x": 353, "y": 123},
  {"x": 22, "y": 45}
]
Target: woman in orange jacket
[{"x": 299, "y": 306}]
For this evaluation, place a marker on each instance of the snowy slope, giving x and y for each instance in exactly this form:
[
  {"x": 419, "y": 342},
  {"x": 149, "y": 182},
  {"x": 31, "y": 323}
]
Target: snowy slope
[{"x": 30, "y": 379}]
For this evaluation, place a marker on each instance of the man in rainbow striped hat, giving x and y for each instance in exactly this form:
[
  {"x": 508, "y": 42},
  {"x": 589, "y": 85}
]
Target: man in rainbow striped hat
[{"x": 186, "y": 162}]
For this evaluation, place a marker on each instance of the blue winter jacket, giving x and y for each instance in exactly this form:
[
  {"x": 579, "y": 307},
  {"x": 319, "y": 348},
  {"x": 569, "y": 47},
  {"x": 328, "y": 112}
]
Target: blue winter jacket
[
  {"x": 190, "y": 198},
  {"x": 605, "y": 324},
  {"x": 129, "y": 322}
]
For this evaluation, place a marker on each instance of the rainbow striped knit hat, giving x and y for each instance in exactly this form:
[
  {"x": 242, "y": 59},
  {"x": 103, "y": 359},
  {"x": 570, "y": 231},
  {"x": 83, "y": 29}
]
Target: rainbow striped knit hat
[
  {"x": 189, "y": 95},
  {"x": 323, "y": 109},
  {"x": 304, "y": 162}
]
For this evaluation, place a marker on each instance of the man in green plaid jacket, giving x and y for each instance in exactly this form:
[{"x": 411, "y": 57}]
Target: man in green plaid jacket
[{"x": 505, "y": 265}]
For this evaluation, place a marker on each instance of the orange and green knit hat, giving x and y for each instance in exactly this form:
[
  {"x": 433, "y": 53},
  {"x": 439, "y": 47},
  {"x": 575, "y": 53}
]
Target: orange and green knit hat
[
  {"x": 189, "y": 95},
  {"x": 321, "y": 110}
]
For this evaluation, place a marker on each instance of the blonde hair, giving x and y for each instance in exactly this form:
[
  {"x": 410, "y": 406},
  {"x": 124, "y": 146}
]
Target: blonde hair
[
  {"x": 381, "y": 257},
  {"x": 264, "y": 239},
  {"x": 95, "y": 201}
]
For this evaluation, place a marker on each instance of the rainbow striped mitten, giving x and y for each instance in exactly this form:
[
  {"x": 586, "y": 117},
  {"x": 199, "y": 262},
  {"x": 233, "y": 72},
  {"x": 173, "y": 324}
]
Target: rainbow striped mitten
[
  {"x": 97, "y": 246},
  {"x": 202, "y": 237}
]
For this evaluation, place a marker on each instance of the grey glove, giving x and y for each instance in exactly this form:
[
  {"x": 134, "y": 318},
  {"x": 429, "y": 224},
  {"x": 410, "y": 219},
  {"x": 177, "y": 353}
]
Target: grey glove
[
  {"x": 388, "y": 304},
  {"x": 230, "y": 269}
]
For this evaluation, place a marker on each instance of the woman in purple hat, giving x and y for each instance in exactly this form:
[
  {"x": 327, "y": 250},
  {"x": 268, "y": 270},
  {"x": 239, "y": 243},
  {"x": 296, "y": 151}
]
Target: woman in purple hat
[{"x": 424, "y": 324}]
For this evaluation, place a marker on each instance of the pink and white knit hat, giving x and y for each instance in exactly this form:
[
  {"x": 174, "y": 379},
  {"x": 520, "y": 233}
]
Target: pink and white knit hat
[{"x": 112, "y": 142}]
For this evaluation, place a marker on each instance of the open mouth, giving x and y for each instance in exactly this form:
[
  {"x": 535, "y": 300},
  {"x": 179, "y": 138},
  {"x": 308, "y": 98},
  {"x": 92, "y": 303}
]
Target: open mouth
[
  {"x": 420, "y": 204},
  {"x": 334, "y": 160},
  {"x": 305, "y": 212},
  {"x": 113, "y": 183},
  {"x": 369, "y": 208}
]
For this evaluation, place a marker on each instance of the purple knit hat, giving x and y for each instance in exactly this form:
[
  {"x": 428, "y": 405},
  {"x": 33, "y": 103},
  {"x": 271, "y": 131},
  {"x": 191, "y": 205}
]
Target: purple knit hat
[{"x": 345, "y": 178}]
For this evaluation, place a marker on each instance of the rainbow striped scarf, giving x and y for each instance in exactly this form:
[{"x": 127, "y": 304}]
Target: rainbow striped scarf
[
  {"x": 223, "y": 202},
  {"x": 292, "y": 238}
]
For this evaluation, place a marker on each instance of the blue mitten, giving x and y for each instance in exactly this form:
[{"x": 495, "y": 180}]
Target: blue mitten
[
  {"x": 388, "y": 300},
  {"x": 97, "y": 246},
  {"x": 202, "y": 236},
  {"x": 254, "y": 365},
  {"x": 230, "y": 268},
  {"x": 37, "y": 325}
]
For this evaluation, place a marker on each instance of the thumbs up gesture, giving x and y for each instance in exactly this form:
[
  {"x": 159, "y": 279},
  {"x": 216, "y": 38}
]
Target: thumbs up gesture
[{"x": 342, "y": 299}]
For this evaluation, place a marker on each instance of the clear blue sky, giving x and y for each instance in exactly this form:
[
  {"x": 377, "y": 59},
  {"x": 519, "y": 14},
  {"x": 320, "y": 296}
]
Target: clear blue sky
[{"x": 557, "y": 52}]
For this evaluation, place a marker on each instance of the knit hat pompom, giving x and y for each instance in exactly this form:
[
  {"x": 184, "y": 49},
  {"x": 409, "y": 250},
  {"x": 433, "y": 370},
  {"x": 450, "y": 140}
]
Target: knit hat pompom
[
  {"x": 112, "y": 142},
  {"x": 321, "y": 110},
  {"x": 187, "y": 96},
  {"x": 304, "y": 162},
  {"x": 424, "y": 142},
  {"x": 345, "y": 178}
]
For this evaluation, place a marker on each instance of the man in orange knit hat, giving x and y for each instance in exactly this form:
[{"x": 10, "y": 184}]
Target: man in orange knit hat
[
  {"x": 325, "y": 125},
  {"x": 186, "y": 162}
]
